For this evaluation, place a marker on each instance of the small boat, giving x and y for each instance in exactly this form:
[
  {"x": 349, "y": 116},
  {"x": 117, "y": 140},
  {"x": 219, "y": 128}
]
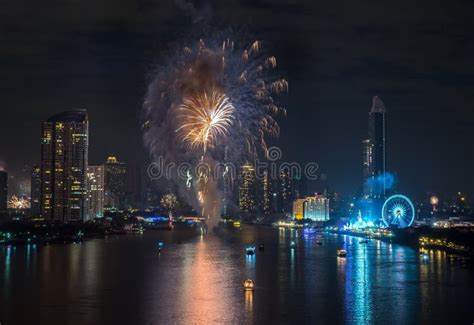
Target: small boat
[
  {"x": 341, "y": 253},
  {"x": 250, "y": 250},
  {"x": 248, "y": 285},
  {"x": 365, "y": 241},
  {"x": 424, "y": 256},
  {"x": 319, "y": 243},
  {"x": 261, "y": 247},
  {"x": 236, "y": 224}
]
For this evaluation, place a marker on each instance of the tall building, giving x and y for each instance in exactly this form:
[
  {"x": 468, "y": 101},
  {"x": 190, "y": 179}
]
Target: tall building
[
  {"x": 115, "y": 184},
  {"x": 95, "y": 192},
  {"x": 298, "y": 209},
  {"x": 374, "y": 152},
  {"x": 64, "y": 159},
  {"x": 135, "y": 187},
  {"x": 267, "y": 192},
  {"x": 286, "y": 191},
  {"x": 3, "y": 190},
  {"x": 316, "y": 208},
  {"x": 247, "y": 202},
  {"x": 35, "y": 191}
]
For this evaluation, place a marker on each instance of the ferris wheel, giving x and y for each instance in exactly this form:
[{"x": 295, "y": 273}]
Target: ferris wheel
[{"x": 399, "y": 211}]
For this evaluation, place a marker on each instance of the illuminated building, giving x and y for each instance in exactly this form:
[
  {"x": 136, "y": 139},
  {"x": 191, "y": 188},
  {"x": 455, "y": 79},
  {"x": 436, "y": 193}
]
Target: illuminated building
[
  {"x": 286, "y": 193},
  {"x": 64, "y": 159},
  {"x": 298, "y": 209},
  {"x": 95, "y": 192},
  {"x": 35, "y": 191},
  {"x": 316, "y": 208},
  {"x": 115, "y": 184},
  {"x": 247, "y": 188},
  {"x": 266, "y": 197},
  {"x": 374, "y": 152},
  {"x": 3, "y": 190},
  {"x": 227, "y": 180}
]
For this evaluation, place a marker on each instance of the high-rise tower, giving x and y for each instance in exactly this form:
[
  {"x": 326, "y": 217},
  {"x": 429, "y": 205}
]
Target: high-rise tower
[
  {"x": 95, "y": 192},
  {"x": 374, "y": 152},
  {"x": 115, "y": 183},
  {"x": 247, "y": 201},
  {"x": 35, "y": 191},
  {"x": 64, "y": 159}
]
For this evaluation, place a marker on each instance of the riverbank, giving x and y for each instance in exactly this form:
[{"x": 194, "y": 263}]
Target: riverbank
[{"x": 453, "y": 241}]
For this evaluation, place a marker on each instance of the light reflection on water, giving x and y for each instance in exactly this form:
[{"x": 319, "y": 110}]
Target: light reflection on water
[{"x": 198, "y": 279}]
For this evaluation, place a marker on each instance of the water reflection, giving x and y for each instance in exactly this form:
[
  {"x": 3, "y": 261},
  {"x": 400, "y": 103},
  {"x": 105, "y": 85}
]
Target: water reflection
[{"x": 200, "y": 281}]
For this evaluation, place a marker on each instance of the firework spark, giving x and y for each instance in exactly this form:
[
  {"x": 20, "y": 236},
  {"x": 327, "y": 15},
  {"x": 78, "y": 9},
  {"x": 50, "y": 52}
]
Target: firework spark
[
  {"x": 204, "y": 118},
  {"x": 18, "y": 203}
]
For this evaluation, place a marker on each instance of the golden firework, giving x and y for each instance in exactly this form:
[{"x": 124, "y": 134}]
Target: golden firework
[{"x": 204, "y": 118}]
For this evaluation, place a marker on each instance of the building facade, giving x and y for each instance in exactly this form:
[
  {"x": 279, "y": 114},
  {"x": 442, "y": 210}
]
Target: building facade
[
  {"x": 115, "y": 184},
  {"x": 64, "y": 159},
  {"x": 35, "y": 191},
  {"x": 374, "y": 152},
  {"x": 95, "y": 192},
  {"x": 286, "y": 191},
  {"x": 317, "y": 208},
  {"x": 314, "y": 208},
  {"x": 298, "y": 209},
  {"x": 247, "y": 200},
  {"x": 3, "y": 190}
]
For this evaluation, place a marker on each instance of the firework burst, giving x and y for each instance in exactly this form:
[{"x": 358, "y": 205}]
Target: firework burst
[
  {"x": 214, "y": 92},
  {"x": 211, "y": 99},
  {"x": 18, "y": 203},
  {"x": 204, "y": 118}
]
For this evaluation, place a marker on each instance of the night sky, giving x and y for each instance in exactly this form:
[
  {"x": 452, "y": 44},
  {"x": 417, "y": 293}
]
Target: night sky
[{"x": 418, "y": 56}]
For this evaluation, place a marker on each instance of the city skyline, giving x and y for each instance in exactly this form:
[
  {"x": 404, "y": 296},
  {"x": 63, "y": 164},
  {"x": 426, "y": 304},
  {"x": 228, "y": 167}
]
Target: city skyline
[{"x": 236, "y": 162}]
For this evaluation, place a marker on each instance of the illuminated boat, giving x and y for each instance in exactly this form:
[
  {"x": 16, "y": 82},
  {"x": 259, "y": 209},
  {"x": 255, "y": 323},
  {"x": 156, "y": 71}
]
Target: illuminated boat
[
  {"x": 236, "y": 224},
  {"x": 248, "y": 285},
  {"x": 261, "y": 247},
  {"x": 341, "y": 253},
  {"x": 250, "y": 250}
]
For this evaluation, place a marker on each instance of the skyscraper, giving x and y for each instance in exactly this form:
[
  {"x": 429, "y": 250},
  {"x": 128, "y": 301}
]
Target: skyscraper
[
  {"x": 3, "y": 190},
  {"x": 374, "y": 152},
  {"x": 286, "y": 190},
  {"x": 267, "y": 192},
  {"x": 64, "y": 159},
  {"x": 35, "y": 191},
  {"x": 247, "y": 189},
  {"x": 115, "y": 183},
  {"x": 95, "y": 192}
]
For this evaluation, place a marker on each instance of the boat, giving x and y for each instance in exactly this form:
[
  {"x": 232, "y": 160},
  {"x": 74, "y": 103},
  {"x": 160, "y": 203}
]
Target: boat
[
  {"x": 261, "y": 247},
  {"x": 319, "y": 243},
  {"x": 236, "y": 224},
  {"x": 250, "y": 250},
  {"x": 341, "y": 253},
  {"x": 365, "y": 241},
  {"x": 248, "y": 285}
]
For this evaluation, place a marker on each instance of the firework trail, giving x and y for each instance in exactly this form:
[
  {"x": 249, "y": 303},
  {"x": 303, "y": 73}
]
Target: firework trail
[{"x": 212, "y": 95}]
